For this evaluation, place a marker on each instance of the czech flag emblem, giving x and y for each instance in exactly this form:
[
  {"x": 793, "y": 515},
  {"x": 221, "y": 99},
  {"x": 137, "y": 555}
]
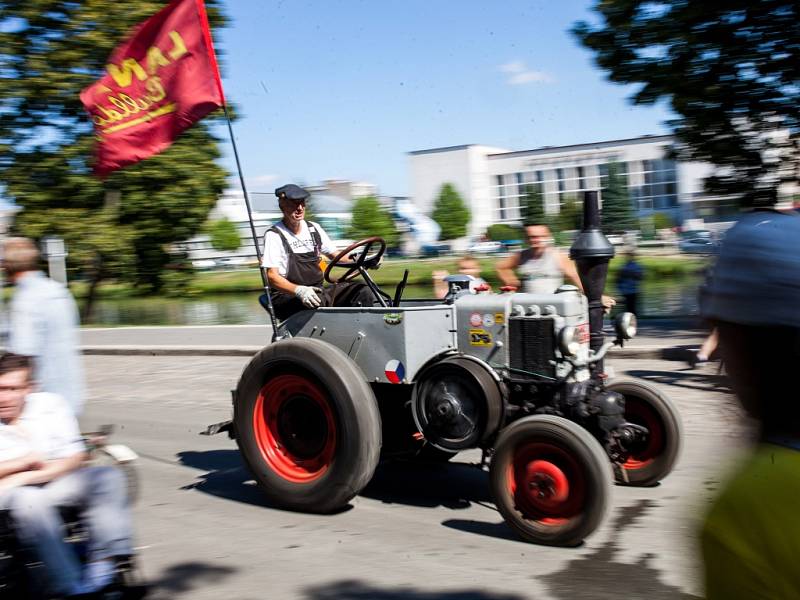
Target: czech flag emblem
[{"x": 395, "y": 371}]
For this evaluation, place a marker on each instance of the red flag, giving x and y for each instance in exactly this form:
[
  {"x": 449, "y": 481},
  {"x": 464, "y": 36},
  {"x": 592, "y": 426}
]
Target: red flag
[{"x": 157, "y": 84}]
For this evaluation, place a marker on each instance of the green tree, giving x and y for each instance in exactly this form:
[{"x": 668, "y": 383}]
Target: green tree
[
  {"x": 370, "y": 219},
  {"x": 500, "y": 232},
  {"x": 125, "y": 226},
  {"x": 728, "y": 71},
  {"x": 450, "y": 212},
  {"x": 224, "y": 235},
  {"x": 533, "y": 212},
  {"x": 618, "y": 213},
  {"x": 662, "y": 220},
  {"x": 570, "y": 217}
]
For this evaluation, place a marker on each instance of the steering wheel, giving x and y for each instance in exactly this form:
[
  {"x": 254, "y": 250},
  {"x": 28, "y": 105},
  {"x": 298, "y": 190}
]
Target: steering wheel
[{"x": 368, "y": 258}]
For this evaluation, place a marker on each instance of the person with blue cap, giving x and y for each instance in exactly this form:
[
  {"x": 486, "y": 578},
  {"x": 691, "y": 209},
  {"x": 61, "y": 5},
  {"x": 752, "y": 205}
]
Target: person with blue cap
[
  {"x": 293, "y": 252},
  {"x": 751, "y": 535}
]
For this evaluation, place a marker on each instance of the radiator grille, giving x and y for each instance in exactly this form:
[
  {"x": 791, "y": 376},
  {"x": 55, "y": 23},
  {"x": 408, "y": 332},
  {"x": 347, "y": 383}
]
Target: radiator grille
[{"x": 532, "y": 345}]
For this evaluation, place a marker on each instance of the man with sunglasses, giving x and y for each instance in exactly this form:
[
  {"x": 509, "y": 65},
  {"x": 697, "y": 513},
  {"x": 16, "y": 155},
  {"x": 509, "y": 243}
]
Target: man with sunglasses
[
  {"x": 293, "y": 251},
  {"x": 540, "y": 268}
]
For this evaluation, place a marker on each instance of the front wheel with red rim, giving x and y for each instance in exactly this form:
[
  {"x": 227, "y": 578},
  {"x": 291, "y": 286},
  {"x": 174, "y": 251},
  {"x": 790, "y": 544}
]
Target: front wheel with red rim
[
  {"x": 653, "y": 457},
  {"x": 295, "y": 427},
  {"x": 307, "y": 425},
  {"x": 550, "y": 480}
]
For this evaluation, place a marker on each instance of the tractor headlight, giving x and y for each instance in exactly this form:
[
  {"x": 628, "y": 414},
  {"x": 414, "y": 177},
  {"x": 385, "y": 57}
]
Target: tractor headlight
[
  {"x": 625, "y": 326},
  {"x": 569, "y": 341}
]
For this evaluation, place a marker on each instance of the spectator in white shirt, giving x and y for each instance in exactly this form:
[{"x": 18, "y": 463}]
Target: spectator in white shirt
[{"x": 41, "y": 472}]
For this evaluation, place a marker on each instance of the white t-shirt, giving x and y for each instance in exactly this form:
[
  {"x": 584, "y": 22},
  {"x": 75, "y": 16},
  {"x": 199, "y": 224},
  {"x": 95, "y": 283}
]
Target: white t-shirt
[
  {"x": 275, "y": 253},
  {"x": 47, "y": 426}
]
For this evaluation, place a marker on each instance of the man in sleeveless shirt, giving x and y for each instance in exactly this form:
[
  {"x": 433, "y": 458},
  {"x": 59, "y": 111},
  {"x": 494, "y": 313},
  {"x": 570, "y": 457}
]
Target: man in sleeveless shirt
[
  {"x": 293, "y": 249},
  {"x": 540, "y": 268}
]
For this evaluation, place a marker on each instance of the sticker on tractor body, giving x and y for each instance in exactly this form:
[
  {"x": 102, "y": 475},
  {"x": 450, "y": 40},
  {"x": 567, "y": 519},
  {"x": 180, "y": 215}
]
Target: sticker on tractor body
[
  {"x": 393, "y": 318},
  {"x": 480, "y": 337},
  {"x": 395, "y": 371},
  {"x": 475, "y": 319}
]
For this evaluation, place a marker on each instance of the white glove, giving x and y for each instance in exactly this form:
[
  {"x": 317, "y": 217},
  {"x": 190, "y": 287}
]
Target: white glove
[{"x": 308, "y": 295}]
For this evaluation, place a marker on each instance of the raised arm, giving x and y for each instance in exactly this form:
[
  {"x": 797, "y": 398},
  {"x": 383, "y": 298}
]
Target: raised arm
[{"x": 505, "y": 270}]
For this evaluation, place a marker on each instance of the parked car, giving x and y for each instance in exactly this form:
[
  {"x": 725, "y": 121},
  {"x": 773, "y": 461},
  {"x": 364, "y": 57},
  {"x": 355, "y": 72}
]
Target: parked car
[
  {"x": 203, "y": 264},
  {"x": 435, "y": 249},
  {"x": 698, "y": 245},
  {"x": 485, "y": 247}
]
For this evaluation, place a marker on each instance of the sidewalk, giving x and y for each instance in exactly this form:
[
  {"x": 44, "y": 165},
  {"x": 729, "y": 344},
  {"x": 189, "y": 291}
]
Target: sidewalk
[{"x": 662, "y": 338}]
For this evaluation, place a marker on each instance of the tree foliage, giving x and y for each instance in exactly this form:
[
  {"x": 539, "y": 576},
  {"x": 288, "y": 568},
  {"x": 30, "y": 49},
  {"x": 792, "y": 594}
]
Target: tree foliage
[
  {"x": 450, "y": 212},
  {"x": 121, "y": 227},
  {"x": 501, "y": 232},
  {"x": 369, "y": 219},
  {"x": 729, "y": 70},
  {"x": 224, "y": 235},
  {"x": 662, "y": 220},
  {"x": 570, "y": 217},
  {"x": 533, "y": 212},
  {"x": 619, "y": 215}
]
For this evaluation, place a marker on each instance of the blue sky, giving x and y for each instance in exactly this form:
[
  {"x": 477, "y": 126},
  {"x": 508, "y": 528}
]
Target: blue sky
[{"x": 345, "y": 88}]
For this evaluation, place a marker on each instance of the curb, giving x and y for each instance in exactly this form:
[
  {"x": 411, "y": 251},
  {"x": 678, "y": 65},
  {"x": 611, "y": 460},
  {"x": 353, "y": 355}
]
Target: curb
[
  {"x": 247, "y": 351},
  {"x": 643, "y": 352}
]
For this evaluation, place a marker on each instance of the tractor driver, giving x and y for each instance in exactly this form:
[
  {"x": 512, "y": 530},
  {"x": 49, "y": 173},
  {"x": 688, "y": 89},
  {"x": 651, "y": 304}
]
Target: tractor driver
[{"x": 293, "y": 249}]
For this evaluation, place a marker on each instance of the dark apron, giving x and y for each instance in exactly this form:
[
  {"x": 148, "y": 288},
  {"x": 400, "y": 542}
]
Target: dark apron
[{"x": 302, "y": 269}]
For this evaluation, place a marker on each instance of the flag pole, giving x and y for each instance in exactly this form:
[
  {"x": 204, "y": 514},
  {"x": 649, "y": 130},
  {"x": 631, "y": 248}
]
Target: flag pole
[
  {"x": 264, "y": 279},
  {"x": 212, "y": 56}
]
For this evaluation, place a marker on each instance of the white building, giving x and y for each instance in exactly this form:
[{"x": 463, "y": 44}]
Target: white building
[
  {"x": 344, "y": 189},
  {"x": 492, "y": 180}
]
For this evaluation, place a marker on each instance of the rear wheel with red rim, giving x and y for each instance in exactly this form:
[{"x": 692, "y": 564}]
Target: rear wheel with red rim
[
  {"x": 550, "y": 480},
  {"x": 652, "y": 458},
  {"x": 307, "y": 425}
]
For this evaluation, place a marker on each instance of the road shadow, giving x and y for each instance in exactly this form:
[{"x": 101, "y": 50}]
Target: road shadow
[
  {"x": 429, "y": 485},
  {"x": 226, "y": 476},
  {"x": 358, "y": 590},
  {"x": 688, "y": 379},
  {"x": 500, "y": 531},
  {"x": 186, "y": 577},
  {"x": 602, "y": 575},
  {"x": 452, "y": 485}
]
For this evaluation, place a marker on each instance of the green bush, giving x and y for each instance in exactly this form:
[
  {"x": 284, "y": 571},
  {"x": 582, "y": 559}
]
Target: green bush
[
  {"x": 224, "y": 235},
  {"x": 500, "y": 232},
  {"x": 663, "y": 221}
]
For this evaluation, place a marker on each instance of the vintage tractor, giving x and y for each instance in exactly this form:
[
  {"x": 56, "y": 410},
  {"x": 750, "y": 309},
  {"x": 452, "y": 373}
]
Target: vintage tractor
[{"x": 517, "y": 375}]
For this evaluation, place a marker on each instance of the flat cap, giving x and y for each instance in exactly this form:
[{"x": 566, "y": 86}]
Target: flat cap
[{"x": 292, "y": 192}]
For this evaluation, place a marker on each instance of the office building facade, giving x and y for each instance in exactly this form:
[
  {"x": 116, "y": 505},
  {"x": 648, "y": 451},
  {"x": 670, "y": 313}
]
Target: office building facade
[{"x": 493, "y": 181}]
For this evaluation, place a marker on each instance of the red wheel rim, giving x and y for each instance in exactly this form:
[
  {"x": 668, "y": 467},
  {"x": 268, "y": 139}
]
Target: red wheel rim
[
  {"x": 639, "y": 412},
  {"x": 294, "y": 428},
  {"x": 546, "y": 483}
]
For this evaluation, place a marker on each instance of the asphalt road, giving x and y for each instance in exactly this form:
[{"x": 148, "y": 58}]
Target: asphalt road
[{"x": 422, "y": 533}]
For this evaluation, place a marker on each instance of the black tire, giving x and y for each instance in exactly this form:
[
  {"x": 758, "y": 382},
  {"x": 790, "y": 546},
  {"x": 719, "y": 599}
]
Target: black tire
[
  {"x": 307, "y": 425},
  {"x": 656, "y": 458},
  {"x": 546, "y": 451}
]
